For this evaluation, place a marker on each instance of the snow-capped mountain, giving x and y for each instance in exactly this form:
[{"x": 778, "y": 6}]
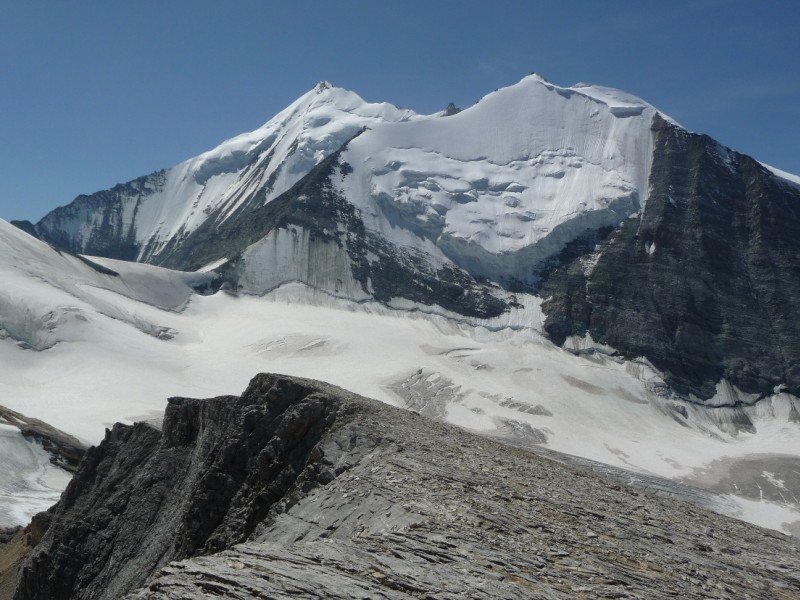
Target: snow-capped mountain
[
  {"x": 527, "y": 167},
  {"x": 143, "y": 219},
  {"x": 495, "y": 191},
  {"x": 561, "y": 266},
  {"x": 536, "y": 186}
]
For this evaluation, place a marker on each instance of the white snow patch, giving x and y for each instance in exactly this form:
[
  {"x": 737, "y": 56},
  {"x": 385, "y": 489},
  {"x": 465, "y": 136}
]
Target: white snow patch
[
  {"x": 770, "y": 515},
  {"x": 212, "y": 265},
  {"x": 791, "y": 178},
  {"x": 29, "y": 483},
  {"x": 509, "y": 170}
]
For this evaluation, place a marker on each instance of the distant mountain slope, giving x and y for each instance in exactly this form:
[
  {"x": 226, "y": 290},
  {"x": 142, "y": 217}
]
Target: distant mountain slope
[
  {"x": 656, "y": 242},
  {"x": 496, "y": 189},
  {"x": 50, "y": 295},
  {"x": 137, "y": 220}
]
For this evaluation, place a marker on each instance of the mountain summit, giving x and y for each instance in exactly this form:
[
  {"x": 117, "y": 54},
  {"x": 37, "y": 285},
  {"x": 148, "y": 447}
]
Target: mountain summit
[
  {"x": 144, "y": 218},
  {"x": 639, "y": 234}
]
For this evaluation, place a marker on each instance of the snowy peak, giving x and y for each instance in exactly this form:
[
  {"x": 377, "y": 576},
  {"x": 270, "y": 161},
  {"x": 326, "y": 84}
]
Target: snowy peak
[
  {"x": 496, "y": 190},
  {"x": 502, "y": 186},
  {"x": 309, "y": 114},
  {"x": 619, "y": 102},
  {"x": 140, "y": 219}
]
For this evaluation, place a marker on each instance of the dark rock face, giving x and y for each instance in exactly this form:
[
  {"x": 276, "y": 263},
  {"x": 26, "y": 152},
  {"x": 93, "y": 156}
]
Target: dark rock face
[
  {"x": 300, "y": 489},
  {"x": 451, "y": 110},
  {"x": 26, "y": 226},
  {"x": 706, "y": 284},
  {"x": 103, "y": 212}
]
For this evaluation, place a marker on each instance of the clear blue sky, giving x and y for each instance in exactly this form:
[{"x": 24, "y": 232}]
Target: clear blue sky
[{"x": 94, "y": 93}]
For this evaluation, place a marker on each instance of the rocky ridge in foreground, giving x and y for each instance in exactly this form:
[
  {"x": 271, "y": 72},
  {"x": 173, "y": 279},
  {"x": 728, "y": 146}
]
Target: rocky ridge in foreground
[{"x": 300, "y": 489}]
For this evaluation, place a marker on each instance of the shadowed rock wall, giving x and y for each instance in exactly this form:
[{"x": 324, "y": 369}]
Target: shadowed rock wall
[{"x": 705, "y": 285}]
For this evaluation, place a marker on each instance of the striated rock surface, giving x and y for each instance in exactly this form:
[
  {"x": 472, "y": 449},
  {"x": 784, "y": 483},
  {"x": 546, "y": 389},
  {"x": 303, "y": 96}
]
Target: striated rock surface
[
  {"x": 313, "y": 234},
  {"x": 301, "y": 489},
  {"x": 705, "y": 283}
]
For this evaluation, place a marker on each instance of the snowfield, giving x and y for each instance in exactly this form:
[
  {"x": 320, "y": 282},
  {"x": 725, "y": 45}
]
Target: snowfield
[
  {"x": 508, "y": 171},
  {"x": 89, "y": 349}
]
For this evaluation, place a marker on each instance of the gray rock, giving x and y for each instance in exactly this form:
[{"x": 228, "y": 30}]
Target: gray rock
[
  {"x": 111, "y": 235},
  {"x": 300, "y": 489}
]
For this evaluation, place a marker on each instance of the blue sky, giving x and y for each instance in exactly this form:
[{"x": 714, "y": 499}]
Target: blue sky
[{"x": 95, "y": 93}]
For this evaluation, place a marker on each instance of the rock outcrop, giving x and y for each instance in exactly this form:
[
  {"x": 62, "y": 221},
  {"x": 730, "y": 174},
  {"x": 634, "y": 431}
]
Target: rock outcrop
[
  {"x": 65, "y": 450},
  {"x": 301, "y": 489}
]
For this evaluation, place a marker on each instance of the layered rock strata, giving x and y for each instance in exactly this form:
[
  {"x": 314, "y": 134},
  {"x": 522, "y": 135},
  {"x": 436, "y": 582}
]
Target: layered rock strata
[
  {"x": 301, "y": 489},
  {"x": 704, "y": 283}
]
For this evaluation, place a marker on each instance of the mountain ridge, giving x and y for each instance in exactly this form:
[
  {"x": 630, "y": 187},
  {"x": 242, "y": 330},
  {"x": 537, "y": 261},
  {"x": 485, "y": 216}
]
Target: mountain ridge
[
  {"x": 298, "y": 487},
  {"x": 481, "y": 205}
]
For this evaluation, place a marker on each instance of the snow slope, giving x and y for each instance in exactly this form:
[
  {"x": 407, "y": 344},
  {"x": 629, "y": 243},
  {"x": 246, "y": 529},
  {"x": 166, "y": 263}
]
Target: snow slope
[
  {"x": 514, "y": 168},
  {"x": 499, "y": 377},
  {"x": 50, "y": 296}
]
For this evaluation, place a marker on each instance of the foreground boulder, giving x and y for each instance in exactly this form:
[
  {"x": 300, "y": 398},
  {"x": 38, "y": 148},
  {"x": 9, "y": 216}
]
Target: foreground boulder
[{"x": 300, "y": 489}]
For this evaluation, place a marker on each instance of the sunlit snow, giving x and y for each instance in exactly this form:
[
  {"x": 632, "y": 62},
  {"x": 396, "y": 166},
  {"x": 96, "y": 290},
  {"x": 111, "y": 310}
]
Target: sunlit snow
[
  {"x": 28, "y": 483},
  {"x": 528, "y": 162}
]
